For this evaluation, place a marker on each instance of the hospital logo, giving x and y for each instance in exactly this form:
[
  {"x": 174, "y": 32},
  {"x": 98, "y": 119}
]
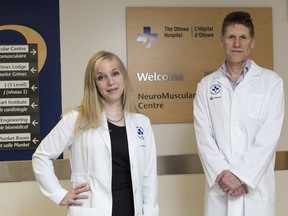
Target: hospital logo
[
  {"x": 147, "y": 37},
  {"x": 215, "y": 89},
  {"x": 140, "y": 132}
]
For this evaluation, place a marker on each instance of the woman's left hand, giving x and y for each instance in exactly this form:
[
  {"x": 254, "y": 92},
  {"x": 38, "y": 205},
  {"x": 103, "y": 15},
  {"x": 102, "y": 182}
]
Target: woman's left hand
[{"x": 72, "y": 197}]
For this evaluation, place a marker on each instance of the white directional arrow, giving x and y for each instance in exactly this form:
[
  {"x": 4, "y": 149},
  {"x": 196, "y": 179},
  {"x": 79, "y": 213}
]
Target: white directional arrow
[
  {"x": 35, "y": 141},
  {"x": 33, "y": 105},
  {"x": 33, "y": 70},
  {"x": 35, "y": 123},
  {"x": 33, "y": 52},
  {"x": 33, "y": 87}
]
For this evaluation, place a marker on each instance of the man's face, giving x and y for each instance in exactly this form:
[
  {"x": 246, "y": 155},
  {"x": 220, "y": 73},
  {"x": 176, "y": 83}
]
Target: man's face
[{"x": 237, "y": 43}]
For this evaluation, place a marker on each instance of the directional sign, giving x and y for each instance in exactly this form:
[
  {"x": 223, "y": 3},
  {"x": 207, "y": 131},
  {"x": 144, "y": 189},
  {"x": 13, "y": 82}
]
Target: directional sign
[{"x": 19, "y": 102}]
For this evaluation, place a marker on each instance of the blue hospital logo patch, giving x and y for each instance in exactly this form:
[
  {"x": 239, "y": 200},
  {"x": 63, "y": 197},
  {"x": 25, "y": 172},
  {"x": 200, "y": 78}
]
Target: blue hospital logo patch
[
  {"x": 215, "y": 89},
  {"x": 140, "y": 132}
]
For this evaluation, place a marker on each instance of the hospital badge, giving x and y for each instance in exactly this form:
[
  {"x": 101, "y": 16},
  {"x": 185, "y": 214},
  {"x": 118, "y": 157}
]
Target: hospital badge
[
  {"x": 215, "y": 89},
  {"x": 140, "y": 132}
]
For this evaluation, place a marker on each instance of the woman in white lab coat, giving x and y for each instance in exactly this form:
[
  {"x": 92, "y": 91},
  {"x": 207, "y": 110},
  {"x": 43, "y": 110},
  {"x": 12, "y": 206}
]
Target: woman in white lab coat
[
  {"x": 238, "y": 119},
  {"x": 112, "y": 149}
]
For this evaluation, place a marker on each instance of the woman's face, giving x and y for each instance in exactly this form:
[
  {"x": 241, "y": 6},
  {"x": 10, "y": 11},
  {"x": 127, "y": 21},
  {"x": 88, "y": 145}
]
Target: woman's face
[{"x": 110, "y": 82}]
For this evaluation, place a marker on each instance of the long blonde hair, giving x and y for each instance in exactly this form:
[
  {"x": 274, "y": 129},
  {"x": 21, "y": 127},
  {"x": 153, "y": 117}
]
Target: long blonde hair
[{"x": 91, "y": 107}]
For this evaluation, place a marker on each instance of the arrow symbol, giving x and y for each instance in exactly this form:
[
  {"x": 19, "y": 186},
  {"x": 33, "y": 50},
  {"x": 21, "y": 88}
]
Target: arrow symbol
[
  {"x": 33, "y": 105},
  {"x": 33, "y": 52},
  {"x": 35, "y": 141},
  {"x": 33, "y": 87},
  {"x": 33, "y": 70},
  {"x": 35, "y": 123}
]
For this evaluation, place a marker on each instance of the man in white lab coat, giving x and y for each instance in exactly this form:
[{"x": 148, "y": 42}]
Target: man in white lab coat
[{"x": 238, "y": 113}]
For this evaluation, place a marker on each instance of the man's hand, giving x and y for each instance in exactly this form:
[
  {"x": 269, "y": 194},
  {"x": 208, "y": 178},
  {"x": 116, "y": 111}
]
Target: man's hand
[
  {"x": 230, "y": 184},
  {"x": 239, "y": 191}
]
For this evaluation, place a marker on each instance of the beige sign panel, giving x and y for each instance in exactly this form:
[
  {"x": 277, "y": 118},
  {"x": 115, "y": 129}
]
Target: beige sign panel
[{"x": 170, "y": 49}]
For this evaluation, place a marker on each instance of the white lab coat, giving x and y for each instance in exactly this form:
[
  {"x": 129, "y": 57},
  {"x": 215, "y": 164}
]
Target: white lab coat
[
  {"x": 238, "y": 131},
  {"x": 91, "y": 162}
]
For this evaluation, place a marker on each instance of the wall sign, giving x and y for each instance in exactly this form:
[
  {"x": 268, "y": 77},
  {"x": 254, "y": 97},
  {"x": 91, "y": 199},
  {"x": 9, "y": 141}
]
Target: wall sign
[
  {"x": 19, "y": 102},
  {"x": 170, "y": 49}
]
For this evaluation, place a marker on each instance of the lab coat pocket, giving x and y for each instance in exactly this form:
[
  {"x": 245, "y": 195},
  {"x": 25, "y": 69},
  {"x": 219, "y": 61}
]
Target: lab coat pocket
[
  {"x": 79, "y": 178},
  {"x": 255, "y": 105}
]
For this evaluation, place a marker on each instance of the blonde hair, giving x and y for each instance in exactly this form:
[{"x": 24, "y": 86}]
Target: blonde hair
[{"x": 91, "y": 107}]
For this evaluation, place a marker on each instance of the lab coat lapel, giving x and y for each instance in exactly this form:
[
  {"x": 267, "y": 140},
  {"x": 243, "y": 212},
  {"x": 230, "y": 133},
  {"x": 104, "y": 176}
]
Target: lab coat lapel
[
  {"x": 252, "y": 74},
  {"x": 104, "y": 132},
  {"x": 131, "y": 131},
  {"x": 221, "y": 79}
]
